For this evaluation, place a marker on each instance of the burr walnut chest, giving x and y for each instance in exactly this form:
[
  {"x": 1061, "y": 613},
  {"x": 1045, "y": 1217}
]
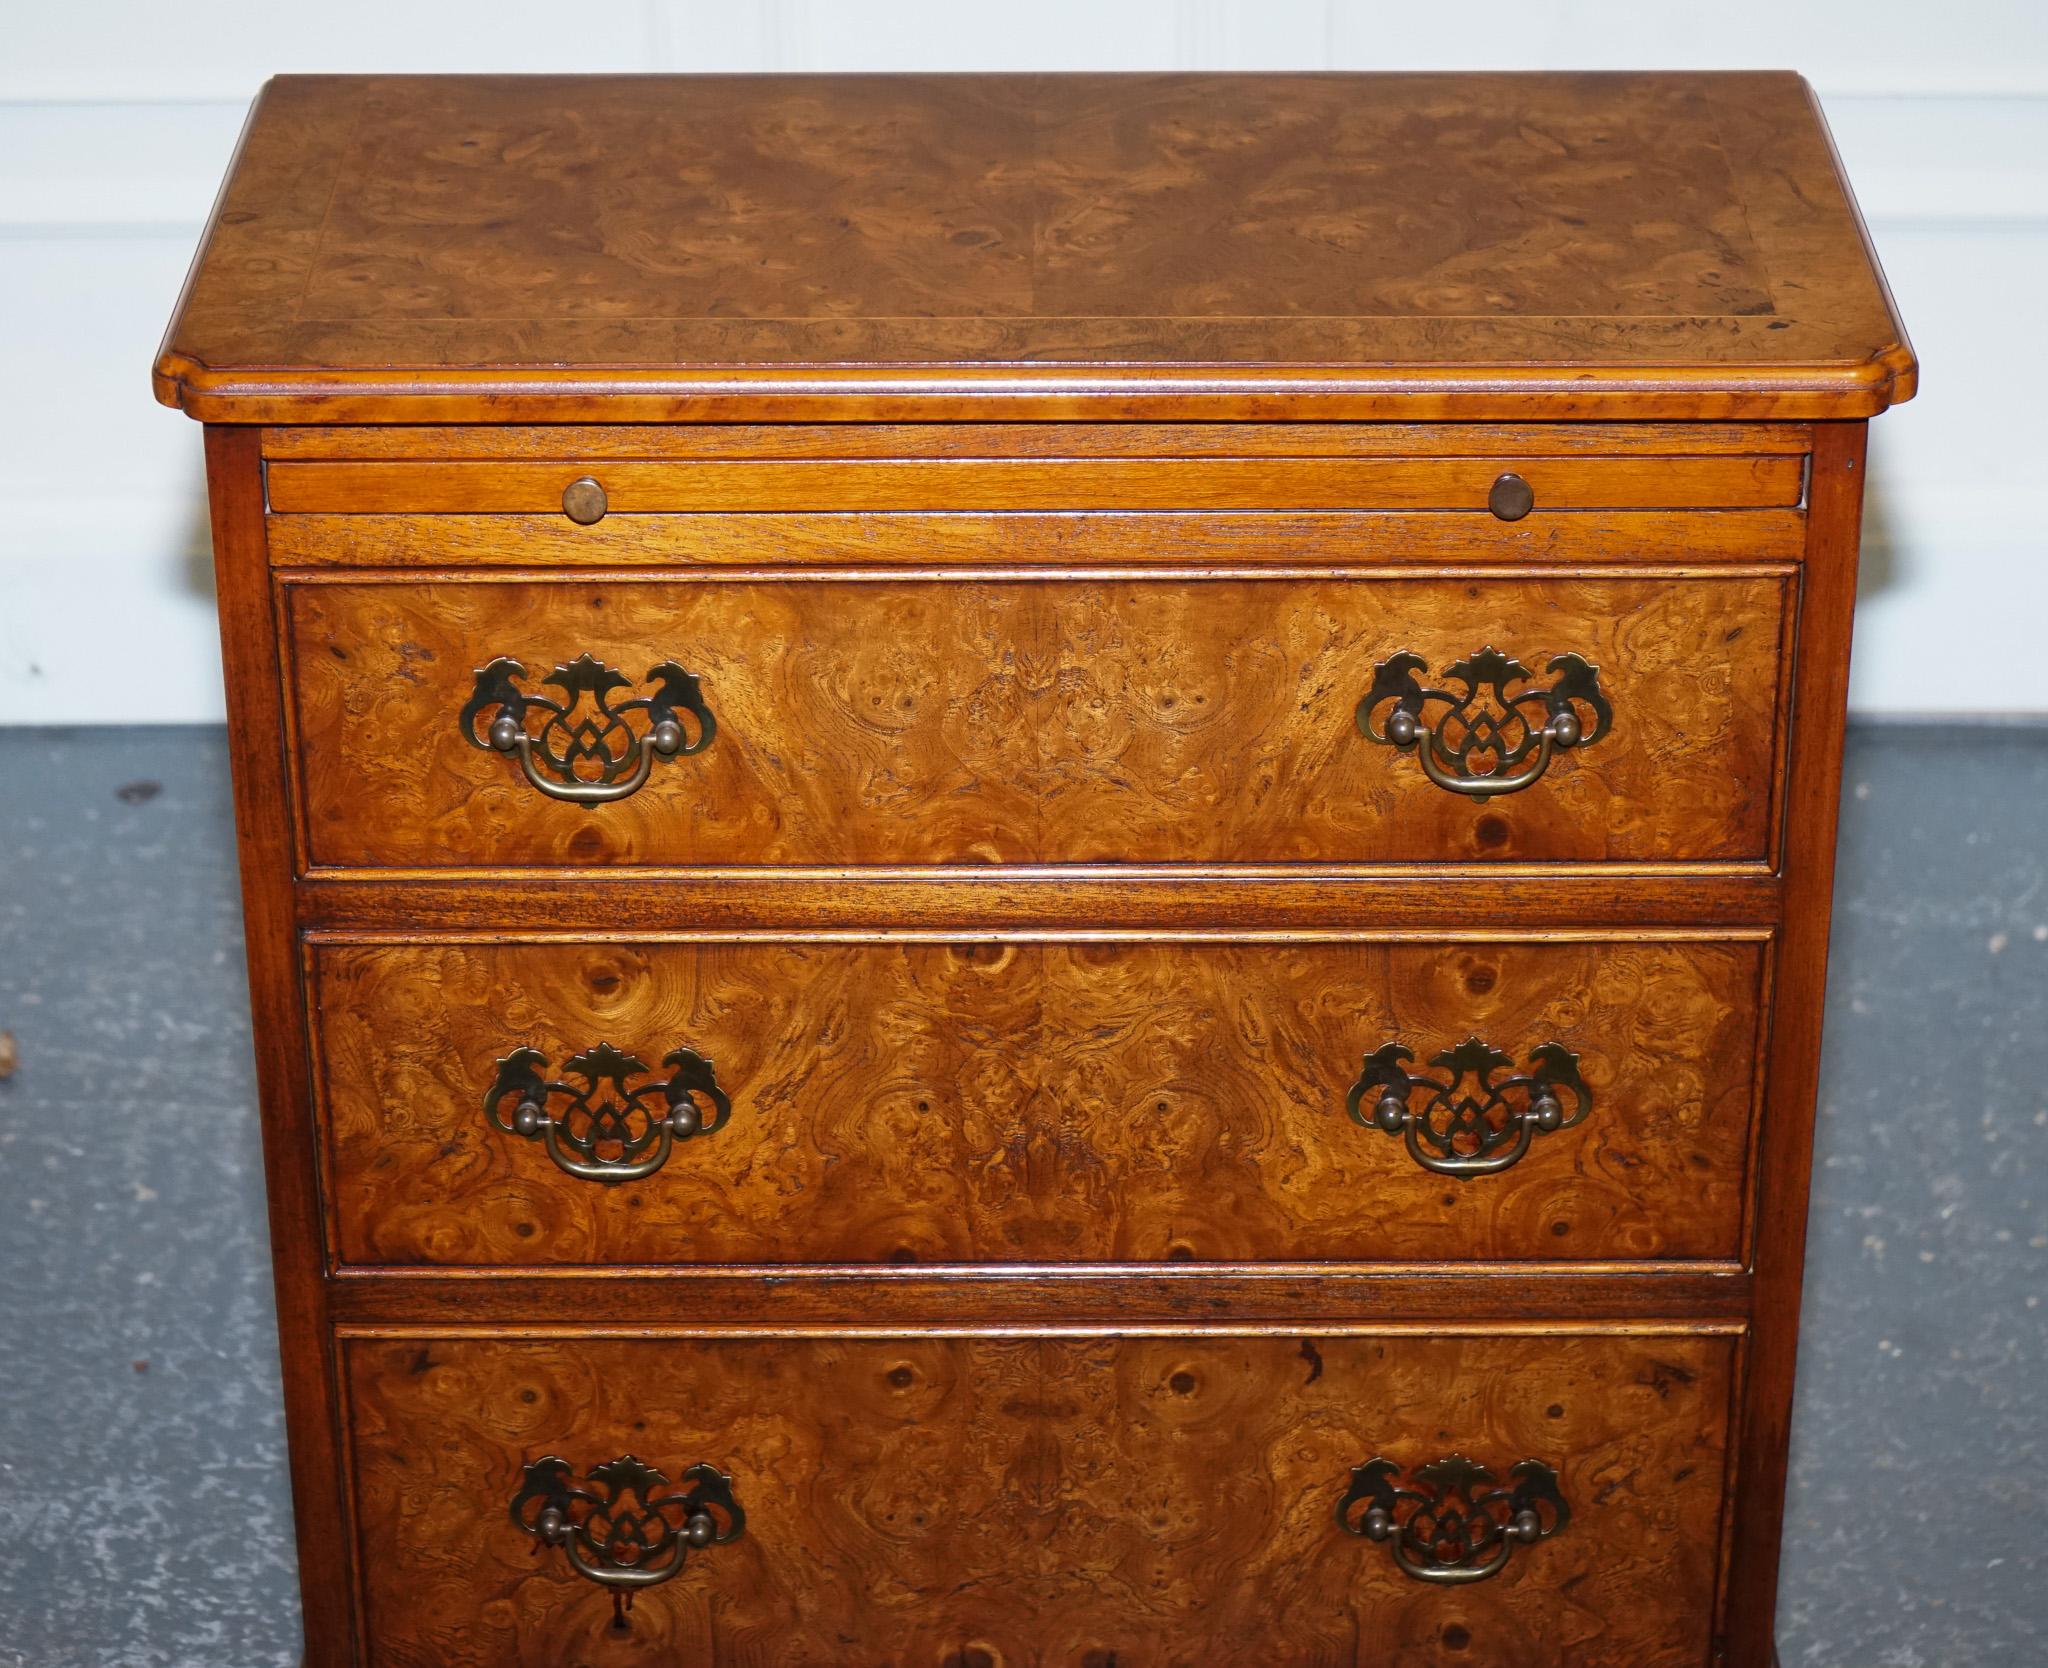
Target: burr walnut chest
[{"x": 1037, "y": 868}]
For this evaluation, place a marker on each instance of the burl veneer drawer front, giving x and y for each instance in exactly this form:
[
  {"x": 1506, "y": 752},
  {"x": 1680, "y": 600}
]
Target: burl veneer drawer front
[
  {"x": 590, "y": 489},
  {"x": 890, "y": 1101},
  {"x": 1157, "y": 1502},
  {"x": 708, "y": 721}
]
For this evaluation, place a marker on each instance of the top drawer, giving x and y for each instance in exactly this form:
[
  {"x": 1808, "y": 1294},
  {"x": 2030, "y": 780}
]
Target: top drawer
[{"x": 1391, "y": 718}]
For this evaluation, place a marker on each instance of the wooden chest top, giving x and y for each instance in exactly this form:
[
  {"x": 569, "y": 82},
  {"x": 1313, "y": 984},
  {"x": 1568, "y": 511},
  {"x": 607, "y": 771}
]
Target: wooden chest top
[{"x": 499, "y": 248}]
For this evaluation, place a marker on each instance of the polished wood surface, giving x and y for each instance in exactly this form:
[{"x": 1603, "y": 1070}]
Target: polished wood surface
[
  {"x": 556, "y": 441},
  {"x": 625, "y": 1299},
  {"x": 1034, "y": 469},
  {"x": 641, "y": 487},
  {"x": 505, "y": 249},
  {"x": 1143, "y": 721},
  {"x": 1038, "y": 1501},
  {"x": 1793, "y": 1084},
  {"x": 1065, "y": 540},
  {"x": 1420, "y": 899},
  {"x": 917, "y": 1102},
  {"x": 256, "y": 702}
]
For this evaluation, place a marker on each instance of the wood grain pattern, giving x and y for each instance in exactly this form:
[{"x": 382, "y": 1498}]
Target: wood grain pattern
[
  {"x": 1038, "y": 887},
  {"x": 638, "y": 487},
  {"x": 1423, "y": 900},
  {"x": 1826, "y": 621},
  {"x": 1156, "y": 1503},
  {"x": 256, "y": 703},
  {"x": 506, "y": 249},
  {"x": 1047, "y": 440},
  {"x": 951, "y": 1103},
  {"x": 1066, "y": 539},
  {"x": 1140, "y": 721},
  {"x": 930, "y": 1299}
]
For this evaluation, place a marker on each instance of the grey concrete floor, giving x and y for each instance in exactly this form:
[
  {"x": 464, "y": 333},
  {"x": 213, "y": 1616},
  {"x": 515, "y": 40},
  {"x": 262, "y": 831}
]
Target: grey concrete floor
[{"x": 144, "y": 1518}]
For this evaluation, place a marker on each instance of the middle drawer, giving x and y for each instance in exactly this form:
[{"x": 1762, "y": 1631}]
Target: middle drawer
[{"x": 743, "y": 1099}]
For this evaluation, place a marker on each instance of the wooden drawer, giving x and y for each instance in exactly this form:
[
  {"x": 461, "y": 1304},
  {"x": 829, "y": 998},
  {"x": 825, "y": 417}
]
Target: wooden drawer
[
  {"x": 893, "y": 1100},
  {"x": 643, "y": 486},
  {"x": 863, "y": 720},
  {"x": 1143, "y": 1501}
]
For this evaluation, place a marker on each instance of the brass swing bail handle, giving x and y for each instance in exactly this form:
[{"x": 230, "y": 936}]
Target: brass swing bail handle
[
  {"x": 1453, "y": 1521},
  {"x": 665, "y": 740},
  {"x": 623, "y": 1524},
  {"x": 582, "y": 736},
  {"x": 1490, "y": 728},
  {"x": 1405, "y": 730}
]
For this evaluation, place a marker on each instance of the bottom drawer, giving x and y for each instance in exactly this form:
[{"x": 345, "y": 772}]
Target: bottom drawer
[{"x": 1071, "y": 1500}]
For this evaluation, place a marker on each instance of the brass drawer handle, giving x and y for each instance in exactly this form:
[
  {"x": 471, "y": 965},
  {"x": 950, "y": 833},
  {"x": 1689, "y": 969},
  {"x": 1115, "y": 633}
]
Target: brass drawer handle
[
  {"x": 585, "y": 751},
  {"x": 1453, "y": 1521},
  {"x": 608, "y": 1130},
  {"x": 1474, "y": 1123},
  {"x": 1483, "y": 732},
  {"x": 623, "y": 1526}
]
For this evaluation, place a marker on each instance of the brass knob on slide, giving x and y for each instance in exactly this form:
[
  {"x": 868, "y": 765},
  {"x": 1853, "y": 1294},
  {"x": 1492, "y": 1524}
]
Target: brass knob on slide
[
  {"x": 585, "y": 502},
  {"x": 1510, "y": 500}
]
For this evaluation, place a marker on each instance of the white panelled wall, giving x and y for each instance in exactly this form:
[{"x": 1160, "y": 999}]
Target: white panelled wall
[{"x": 117, "y": 117}]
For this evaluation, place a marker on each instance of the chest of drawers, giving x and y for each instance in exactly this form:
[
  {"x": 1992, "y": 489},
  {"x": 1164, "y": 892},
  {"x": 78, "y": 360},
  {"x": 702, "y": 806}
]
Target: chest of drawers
[{"x": 1037, "y": 868}]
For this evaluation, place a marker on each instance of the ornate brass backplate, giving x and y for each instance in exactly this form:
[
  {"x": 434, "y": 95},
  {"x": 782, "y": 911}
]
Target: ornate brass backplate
[
  {"x": 624, "y": 1527},
  {"x": 1472, "y": 1121},
  {"x": 595, "y": 1121},
  {"x": 589, "y": 747},
  {"x": 1483, "y": 732},
  {"x": 1452, "y": 1520}
]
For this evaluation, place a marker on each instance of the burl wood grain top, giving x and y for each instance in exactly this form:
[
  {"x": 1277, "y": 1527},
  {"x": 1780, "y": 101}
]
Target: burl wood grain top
[{"x": 666, "y": 248}]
